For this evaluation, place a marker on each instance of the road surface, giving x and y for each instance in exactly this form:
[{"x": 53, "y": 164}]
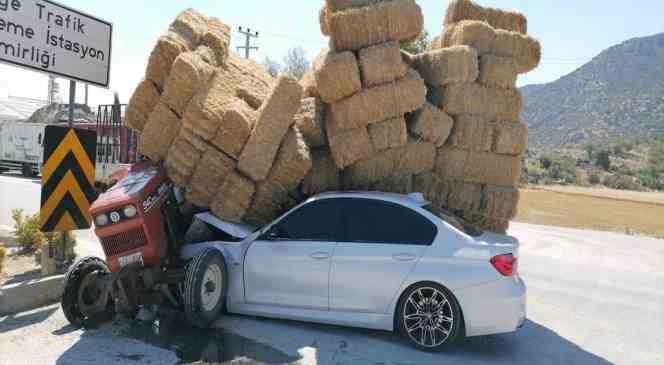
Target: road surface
[{"x": 593, "y": 298}]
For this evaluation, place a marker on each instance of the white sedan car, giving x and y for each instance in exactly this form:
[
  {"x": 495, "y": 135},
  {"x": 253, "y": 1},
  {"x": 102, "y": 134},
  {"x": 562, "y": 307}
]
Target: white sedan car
[{"x": 373, "y": 260}]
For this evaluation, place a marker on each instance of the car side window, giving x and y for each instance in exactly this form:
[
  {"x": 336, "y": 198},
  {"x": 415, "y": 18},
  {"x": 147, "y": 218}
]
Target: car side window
[
  {"x": 315, "y": 221},
  {"x": 374, "y": 221}
]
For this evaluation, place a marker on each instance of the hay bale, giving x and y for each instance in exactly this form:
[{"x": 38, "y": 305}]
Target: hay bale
[
  {"x": 338, "y": 5},
  {"x": 323, "y": 20},
  {"x": 509, "y": 103},
  {"x": 490, "y": 168},
  {"x": 411, "y": 159},
  {"x": 381, "y": 63},
  {"x": 162, "y": 127},
  {"x": 466, "y": 98},
  {"x": 472, "y": 132},
  {"x": 357, "y": 28},
  {"x": 450, "y": 163},
  {"x": 308, "y": 83},
  {"x": 269, "y": 201},
  {"x": 337, "y": 75},
  {"x": 323, "y": 176},
  {"x": 190, "y": 70},
  {"x": 233, "y": 133},
  {"x": 490, "y": 224},
  {"x": 500, "y": 19},
  {"x": 208, "y": 176},
  {"x": 181, "y": 161},
  {"x": 436, "y": 43},
  {"x": 464, "y": 197},
  {"x": 191, "y": 24},
  {"x": 523, "y": 49},
  {"x": 431, "y": 124},
  {"x": 233, "y": 198},
  {"x": 310, "y": 120},
  {"x": 447, "y": 65},
  {"x": 293, "y": 162},
  {"x": 394, "y": 184},
  {"x": 274, "y": 119},
  {"x": 169, "y": 47},
  {"x": 497, "y": 72},
  {"x": 380, "y": 103},
  {"x": 434, "y": 189},
  {"x": 348, "y": 145},
  {"x": 500, "y": 202},
  {"x": 142, "y": 102},
  {"x": 390, "y": 133},
  {"x": 510, "y": 138},
  {"x": 217, "y": 37}
]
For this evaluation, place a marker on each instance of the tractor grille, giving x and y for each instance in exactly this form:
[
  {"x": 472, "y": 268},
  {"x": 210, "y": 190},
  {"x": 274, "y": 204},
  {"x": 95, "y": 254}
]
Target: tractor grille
[{"x": 123, "y": 242}]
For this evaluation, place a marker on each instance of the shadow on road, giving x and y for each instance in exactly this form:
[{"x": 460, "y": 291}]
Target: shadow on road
[{"x": 16, "y": 321}]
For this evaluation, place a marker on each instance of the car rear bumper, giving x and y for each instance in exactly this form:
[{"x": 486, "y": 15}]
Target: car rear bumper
[{"x": 495, "y": 307}]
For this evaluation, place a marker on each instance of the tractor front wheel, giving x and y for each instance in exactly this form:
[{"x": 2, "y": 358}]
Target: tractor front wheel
[{"x": 84, "y": 296}]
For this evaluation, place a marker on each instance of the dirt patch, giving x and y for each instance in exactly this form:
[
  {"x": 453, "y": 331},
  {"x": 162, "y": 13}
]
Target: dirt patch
[{"x": 19, "y": 267}]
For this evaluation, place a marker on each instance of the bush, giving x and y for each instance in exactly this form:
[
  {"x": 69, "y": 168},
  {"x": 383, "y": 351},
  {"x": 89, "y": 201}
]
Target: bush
[
  {"x": 563, "y": 169},
  {"x": 546, "y": 161},
  {"x": 3, "y": 252},
  {"x": 594, "y": 179},
  {"x": 603, "y": 160},
  {"x": 27, "y": 230},
  {"x": 651, "y": 179}
]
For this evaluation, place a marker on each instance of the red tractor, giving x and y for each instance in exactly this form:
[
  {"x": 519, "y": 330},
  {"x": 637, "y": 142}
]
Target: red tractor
[{"x": 141, "y": 225}]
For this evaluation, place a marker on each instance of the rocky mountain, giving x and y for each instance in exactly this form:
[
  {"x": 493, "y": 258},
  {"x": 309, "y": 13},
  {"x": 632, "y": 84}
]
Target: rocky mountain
[{"x": 619, "y": 94}]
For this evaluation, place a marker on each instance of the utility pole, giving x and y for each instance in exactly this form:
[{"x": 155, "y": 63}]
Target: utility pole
[
  {"x": 248, "y": 34},
  {"x": 86, "y": 94}
]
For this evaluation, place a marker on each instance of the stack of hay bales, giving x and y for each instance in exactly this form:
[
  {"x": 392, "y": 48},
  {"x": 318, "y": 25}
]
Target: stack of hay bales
[
  {"x": 471, "y": 72},
  {"x": 366, "y": 117},
  {"x": 222, "y": 128}
]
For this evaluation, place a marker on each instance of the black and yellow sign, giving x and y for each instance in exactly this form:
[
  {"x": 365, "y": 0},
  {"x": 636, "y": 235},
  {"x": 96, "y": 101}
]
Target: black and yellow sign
[{"x": 68, "y": 179}]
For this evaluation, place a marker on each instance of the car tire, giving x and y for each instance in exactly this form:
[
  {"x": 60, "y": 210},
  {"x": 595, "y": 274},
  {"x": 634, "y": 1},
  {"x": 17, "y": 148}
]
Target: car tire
[
  {"x": 205, "y": 288},
  {"x": 74, "y": 279},
  {"x": 428, "y": 308}
]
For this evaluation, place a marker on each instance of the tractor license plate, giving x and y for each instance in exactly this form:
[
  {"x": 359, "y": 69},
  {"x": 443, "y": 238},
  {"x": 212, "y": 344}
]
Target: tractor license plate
[{"x": 131, "y": 259}]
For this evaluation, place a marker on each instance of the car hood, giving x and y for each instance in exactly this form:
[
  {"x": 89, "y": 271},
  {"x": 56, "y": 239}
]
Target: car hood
[{"x": 234, "y": 229}]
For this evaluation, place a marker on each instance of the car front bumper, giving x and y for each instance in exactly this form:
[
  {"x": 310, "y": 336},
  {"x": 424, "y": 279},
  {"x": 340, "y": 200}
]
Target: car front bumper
[{"x": 495, "y": 307}]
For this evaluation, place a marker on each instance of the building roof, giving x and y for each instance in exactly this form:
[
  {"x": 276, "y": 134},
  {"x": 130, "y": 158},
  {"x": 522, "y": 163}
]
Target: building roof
[{"x": 16, "y": 108}]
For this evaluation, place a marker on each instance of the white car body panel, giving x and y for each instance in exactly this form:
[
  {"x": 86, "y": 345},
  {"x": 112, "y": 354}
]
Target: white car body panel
[{"x": 283, "y": 279}]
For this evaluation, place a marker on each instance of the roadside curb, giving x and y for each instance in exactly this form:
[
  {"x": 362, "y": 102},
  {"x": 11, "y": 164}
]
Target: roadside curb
[{"x": 30, "y": 294}]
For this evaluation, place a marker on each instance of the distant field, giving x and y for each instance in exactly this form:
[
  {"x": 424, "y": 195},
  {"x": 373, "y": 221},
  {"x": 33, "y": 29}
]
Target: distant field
[{"x": 598, "y": 209}]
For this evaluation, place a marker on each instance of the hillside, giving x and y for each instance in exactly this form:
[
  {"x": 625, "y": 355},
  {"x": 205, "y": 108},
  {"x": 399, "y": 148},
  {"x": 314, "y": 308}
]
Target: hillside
[{"x": 619, "y": 94}]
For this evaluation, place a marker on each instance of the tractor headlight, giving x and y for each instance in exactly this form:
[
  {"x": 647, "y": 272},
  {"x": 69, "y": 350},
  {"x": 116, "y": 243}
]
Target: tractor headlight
[
  {"x": 101, "y": 220},
  {"x": 129, "y": 211}
]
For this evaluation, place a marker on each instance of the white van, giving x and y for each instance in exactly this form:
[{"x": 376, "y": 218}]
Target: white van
[{"x": 21, "y": 147}]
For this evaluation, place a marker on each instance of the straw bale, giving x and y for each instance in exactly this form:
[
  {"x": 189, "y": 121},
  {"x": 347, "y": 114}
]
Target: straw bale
[
  {"x": 485, "y": 223},
  {"x": 323, "y": 20},
  {"x": 233, "y": 132},
  {"x": 472, "y": 132},
  {"x": 310, "y": 120},
  {"x": 464, "y": 197},
  {"x": 357, "y": 28},
  {"x": 338, "y": 5},
  {"x": 380, "y": 103},
  {"x": 348, "y": 145},
  {"x": 509, "y": 103},
  {"x": 200, "y": 121},
  {"x": 447, "y": 65},
  {"x": 511, "y": 138},
  {"x": 431, "y": 124},
  {"x": 274, "y": 119},
  {"x": 337, "y": 75},
  {"x": 497, "y": 72},
  {"x": 191, "y": 25},
  {"x": 500, "y": 202},
  {"x": 161, "y": 129},
  {"x": 169, "y": 47},
  {"x": 181, "y": 160},
  {"x": 208, "y": 176},
  {"x": 436, "y": 43},
  {"x": 269, "y": 201},
  {"x": 308, "y": 83},
  {"x": 501, "y": 19},
  {"x": 293, "y": 161},
  {"x": 233, "y": 198},
  {"x": 402, "y": 184},
  {"x": 390, "y": 133},
  {"x": 381, "y": 63},
  {"x": 476, "y": 34},
  {"x": 217, "y": 37},
  {"x": 466, "y": 98},
  {"x": 142, "y": 102},
  {"x": 434, "y": 189},
  {"x": 413, "y": 158},
  {"x": 323, "y": 176},
  {"x": 490, "y": 168},
  {"x": 451, "y": 162},
  {"x": 190, "y": 70}
]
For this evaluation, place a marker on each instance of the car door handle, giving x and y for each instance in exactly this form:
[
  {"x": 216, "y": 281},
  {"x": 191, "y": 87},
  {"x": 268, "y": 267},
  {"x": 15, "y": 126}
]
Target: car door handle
[
  {"x": 403, "y": 257},
  {"x": 320, "y": 255}
]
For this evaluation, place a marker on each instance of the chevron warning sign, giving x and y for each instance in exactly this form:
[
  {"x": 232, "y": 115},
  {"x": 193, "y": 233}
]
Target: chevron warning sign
[{"x": 68, "y": 179}]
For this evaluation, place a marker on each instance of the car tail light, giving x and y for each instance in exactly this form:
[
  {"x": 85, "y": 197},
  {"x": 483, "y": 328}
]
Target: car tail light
[{"x": 505, "y": 264}]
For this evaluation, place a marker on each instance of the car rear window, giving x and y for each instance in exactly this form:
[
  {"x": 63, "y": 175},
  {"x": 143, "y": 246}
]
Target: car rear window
[{"x": 455, "y": 221}]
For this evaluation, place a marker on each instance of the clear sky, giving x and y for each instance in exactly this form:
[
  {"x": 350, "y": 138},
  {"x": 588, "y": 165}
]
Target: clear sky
[{"x": 571, "y": 32}]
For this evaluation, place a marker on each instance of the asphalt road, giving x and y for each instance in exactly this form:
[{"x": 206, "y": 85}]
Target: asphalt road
[{"x": 593, "y": 298}]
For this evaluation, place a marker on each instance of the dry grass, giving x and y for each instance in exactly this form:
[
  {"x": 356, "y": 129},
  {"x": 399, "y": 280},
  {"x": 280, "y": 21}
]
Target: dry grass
[{"x": 598, "y": 209}]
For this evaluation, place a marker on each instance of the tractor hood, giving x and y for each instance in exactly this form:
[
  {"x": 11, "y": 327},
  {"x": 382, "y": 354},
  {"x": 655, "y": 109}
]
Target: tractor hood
[{"x": 234, "y": 229}]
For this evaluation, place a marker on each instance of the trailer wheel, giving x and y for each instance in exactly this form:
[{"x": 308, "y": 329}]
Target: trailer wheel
[
  {"x": 26, "y": 170},
  {"x": 82, "y": 297},
  {"x": 205, "y": 288}
]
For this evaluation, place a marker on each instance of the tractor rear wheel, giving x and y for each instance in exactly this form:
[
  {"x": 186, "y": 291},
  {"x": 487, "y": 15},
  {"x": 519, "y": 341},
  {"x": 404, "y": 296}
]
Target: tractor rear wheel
[
  {"x": 83, "y": 297},
  {"x": 205, "y": 288}
]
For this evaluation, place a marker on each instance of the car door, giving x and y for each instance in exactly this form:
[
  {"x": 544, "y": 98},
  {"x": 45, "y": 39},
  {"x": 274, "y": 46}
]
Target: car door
[
  {"x": 381, "y": 243},
  {"x": 290, "y": 265}
]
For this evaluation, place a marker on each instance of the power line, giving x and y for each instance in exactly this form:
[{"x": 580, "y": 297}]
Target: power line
[{"x": 248, "y": 34}]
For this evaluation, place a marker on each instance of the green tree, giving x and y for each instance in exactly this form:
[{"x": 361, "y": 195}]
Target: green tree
[
  {"x": 657, "y": 156},
  {"x": 419, "y": 44},
  {"x": 590, "y": 151},
  {"x": 603, "y": 160}
]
